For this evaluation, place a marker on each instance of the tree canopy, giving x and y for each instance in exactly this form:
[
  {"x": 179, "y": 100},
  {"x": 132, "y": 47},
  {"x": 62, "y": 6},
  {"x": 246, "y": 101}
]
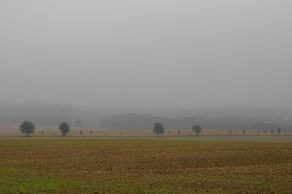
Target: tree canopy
[
  {"x": 64, "y": 128},
  {"x": 27, "y": 127},
  {"x": 197, "y": 129},
  {"x": 158, "y": 128}
]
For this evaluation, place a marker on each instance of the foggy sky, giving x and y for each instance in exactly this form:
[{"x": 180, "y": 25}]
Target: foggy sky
[{"x": 147, "y": 52}]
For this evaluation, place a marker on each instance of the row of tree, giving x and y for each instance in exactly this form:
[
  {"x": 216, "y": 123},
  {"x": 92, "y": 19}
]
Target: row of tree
[
  {"x": 159, "y": 129},
  {"x": 279, "y": 131},
  {"x": 28, "y": 128}
]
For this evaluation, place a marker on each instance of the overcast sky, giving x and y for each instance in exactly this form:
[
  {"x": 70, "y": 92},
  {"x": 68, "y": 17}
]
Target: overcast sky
[{"x": 143, "y": 52}]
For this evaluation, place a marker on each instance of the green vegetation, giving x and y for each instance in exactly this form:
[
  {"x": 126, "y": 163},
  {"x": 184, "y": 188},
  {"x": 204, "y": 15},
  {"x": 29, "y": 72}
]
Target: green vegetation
[
  {"x": 158, "y": 129},
  {"x": 64, "y": 128},
  {"x": 27, "y": 128},
  {"x": 143, "y": 166},
  {"x": 197, "y": 129}
]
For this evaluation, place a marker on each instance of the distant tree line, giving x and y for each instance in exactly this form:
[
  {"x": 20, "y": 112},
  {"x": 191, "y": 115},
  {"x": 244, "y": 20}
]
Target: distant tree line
[
  {"x": 28, "y": 128},
  {"x": 43, "y": 114},
  {"x": 139, "y": 121}
]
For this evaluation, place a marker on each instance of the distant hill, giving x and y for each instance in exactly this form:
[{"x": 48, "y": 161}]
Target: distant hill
[
  {"x": 42, "y": 113},
  {"x": 109, "y": 116}
]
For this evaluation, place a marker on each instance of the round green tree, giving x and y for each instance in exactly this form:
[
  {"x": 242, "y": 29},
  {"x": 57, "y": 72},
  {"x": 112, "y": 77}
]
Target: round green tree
[
  {"x": 158, "y": 129},
  {"x": 197, "y": 129},
  {"x": 64, "y": 128},
  {"x": 27, "y": 128}
]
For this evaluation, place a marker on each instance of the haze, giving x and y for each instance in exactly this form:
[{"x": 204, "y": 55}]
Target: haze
[{"x": 184, "y": 53}]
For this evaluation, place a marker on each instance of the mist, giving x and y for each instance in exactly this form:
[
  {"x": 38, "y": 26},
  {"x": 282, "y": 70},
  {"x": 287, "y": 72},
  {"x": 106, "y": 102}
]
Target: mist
[{"x": 144, "y": 55}]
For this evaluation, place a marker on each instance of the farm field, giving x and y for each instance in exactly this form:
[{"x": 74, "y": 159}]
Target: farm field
[{"x": 67, "y": 165}]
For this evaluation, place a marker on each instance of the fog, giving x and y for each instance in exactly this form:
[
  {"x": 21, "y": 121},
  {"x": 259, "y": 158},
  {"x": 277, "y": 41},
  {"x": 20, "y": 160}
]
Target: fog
[{"x": 144, "y": 55}]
